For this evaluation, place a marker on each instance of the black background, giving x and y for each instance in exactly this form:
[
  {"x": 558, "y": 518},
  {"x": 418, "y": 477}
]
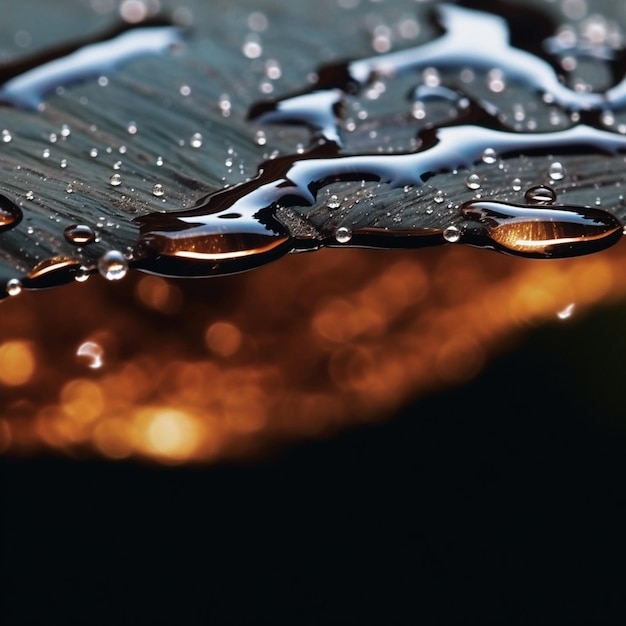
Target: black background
[{"x": 502, "y": 502}]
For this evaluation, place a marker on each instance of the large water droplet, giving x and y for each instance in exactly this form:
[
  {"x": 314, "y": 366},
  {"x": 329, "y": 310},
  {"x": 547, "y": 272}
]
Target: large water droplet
[
  {"x": 115, "y": 180},
  {"x": 556, "y": 171},
  {"x": 540, "y": 232},
  {"x": 452, "y": 234}
]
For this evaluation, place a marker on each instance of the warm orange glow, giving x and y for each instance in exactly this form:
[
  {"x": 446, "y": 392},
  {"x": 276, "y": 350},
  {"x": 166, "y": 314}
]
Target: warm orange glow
[
  {"x": 204, "y": 369},
  {"x": 17, "y": 363}
]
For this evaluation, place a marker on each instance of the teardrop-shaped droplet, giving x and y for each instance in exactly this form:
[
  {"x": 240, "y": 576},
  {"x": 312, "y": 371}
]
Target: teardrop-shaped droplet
[
  {"x": 540, "y": 232},
  {"x": 79, "y": 234}
]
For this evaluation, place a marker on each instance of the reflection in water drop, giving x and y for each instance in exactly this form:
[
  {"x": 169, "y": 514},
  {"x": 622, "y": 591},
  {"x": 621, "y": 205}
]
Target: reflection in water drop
[
  {"x": 343, "y": 234},
  {"x": 92, "y": 353},
  {"x": 14, "y": 287},
  {"x": 113, "y": 265},
  {"x": 79, "y": 234},
  {"x": 540, "y": 195},
  {"x": 452, "y": 234},
  {"x": 539, "y": 232},
  {"x": 10, "y": 213}
]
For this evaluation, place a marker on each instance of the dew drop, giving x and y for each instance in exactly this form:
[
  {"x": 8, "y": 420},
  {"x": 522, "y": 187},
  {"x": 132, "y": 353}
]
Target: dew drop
[
  {"x": 14, "y": 287},
  {"x": 452, "y": 234},
  {"x": 489, "y": 156},
  {"x": 6, "y": 136},
  {"x": 343, "y": 234},
  {"x": 517, "y": 184},
  {"x": 473, "y": 181},
  {"x": 115, "y": 180},
  {"x": 113, "y": 265},
  {"x": 439, "y": 197},
  {"x": 540, "y": 195},
  {"x": 79, "y": 234},
  {"x": 158, "y": 190},
  {"x": 93, "y": 152},
  {"x": 92, "y": 353},
  {"x": 159, "y": 161},
  {"x": 196, "y": 140},
  {"x": 556, "y": 171},
  {"x": 333, "y": 202}
]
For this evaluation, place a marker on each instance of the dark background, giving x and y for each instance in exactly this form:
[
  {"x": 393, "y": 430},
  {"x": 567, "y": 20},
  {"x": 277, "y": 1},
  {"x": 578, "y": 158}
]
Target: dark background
[{"x": 502, "y": 502}]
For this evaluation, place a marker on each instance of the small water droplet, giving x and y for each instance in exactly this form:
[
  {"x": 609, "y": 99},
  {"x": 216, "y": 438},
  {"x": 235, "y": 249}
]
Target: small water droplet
[
  {"x": 69, "y": 188},
  {"x": 343, "y": 234},
  {"x": 489, "y": 156},
  {"x": 159, "y": 161},
  {"x": 556, "y": 171},
  {"x": 82, "y": 274},
  {"x": 473, "y": 181},
  {"x": 452, "y": 234},
  {"x": 30, "y": 195},
  {"x": 92, "y": 353},
  {"x": 65, "y": 131},
  {"x": 6, "y": 136},
  {"x": 45, "y": 153},
  {"x": 333, "y": 202},
  {"x": 196, "y": 140},
  {"x": 132, "y": 128},
  {"x": 93, "y": 152},
  {"x": 14, "y": 287},
  {"x": 79, "y": 234},
  {"x": 115, "y": 180},
  {"x": 540, "y": 195},
  {"x": 439, "y": 197},
  {"x": 113, "y": 265},
  {"x": 64, "y": 163},
  {"x": 158, "y": 190},
  {"x": 517, "y": 184},
  {"x": 261, "y": 139}
]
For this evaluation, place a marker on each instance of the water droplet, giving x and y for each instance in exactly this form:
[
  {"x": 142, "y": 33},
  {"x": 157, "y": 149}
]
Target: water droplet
[
  {"x": 159, "y": 161},
  {"x": 10, "y": 213},
  {"x": 30, "y": 195},
  {"x": 113, "y": 265},
  {"x": 93, "y": 152},
  {"x": 82, "y": 274},
  {"x": 489, "y": 156},
  {"x": 196, "y": 140},
  {"x": 473, "y": 181},
  {"x": 343, "y": 234},
  {"x": 452, "y": 234},
  {"x": 540, "y": 195},
  {"x": 439, "y": 197},
  {"x": 79, "y": 234},
  {"x": 517, "y": 184},
  {"x": 63, "y": 163},
  {"x": 158, "y": 190},
  {"x": 566, "y": 312},
  {"x": 45, "y": 153},
  {"x": 261, "y": 139},
  {"x": 540, "y": 232},
  {"x": 69, "y": 188},
  {"x": 92, "y": 353},
  {"x": 14, "y": 287},
  {"x": 65, "y": 131},
  {"x": 132, "y": 128},
  {"x": 6, "y": 136},
  {"x": 117, "y": 165},
  {"x": 556, "y": 171},
  {"x": 333, "y": 202},
  {"x": 115, "y": 180}
]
